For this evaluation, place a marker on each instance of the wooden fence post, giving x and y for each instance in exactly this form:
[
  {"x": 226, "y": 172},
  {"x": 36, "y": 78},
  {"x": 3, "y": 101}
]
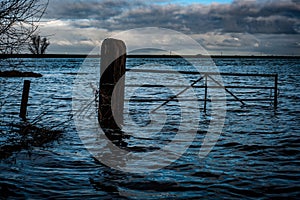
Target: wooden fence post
[
  {"x": 275, "y": 91},
  {"x": 205, "y": 93},
  {"x": 25, "y": 95},
  {"x": 112, "y": 71}
]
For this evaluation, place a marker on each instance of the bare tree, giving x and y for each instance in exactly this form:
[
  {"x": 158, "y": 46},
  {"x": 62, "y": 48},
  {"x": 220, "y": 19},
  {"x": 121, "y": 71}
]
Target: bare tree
[
  {"x": 18, "y": 21},
  {"x": 38, "y": 45}
]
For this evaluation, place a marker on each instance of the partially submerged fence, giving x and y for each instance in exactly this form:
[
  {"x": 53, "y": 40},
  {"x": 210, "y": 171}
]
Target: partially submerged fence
[
  {"x": 209, "y": 76},
  {"x": 113, "y": 67}
]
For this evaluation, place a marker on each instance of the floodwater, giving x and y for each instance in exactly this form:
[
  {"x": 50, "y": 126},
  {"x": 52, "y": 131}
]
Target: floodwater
[{"x": 256, "y": 156}]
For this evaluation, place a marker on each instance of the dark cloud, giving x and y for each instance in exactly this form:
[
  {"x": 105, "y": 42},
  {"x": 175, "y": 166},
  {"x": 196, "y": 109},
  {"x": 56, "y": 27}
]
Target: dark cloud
[
  {"x": 271, "y": 17},
  {"x": 244, "y": 26},
  {"x": 88, "y": 9},
  {"x": 264, "y": 17}
]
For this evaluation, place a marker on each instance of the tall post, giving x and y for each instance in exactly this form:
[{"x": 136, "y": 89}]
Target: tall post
[
  {"x": 275, "y": 91},
  {"x": 205, "y": 93},
  {"x": 112, "y": 81},
  {"x": 25, "y": 95}
]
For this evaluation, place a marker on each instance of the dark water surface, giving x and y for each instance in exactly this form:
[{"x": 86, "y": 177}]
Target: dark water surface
[{"x": 256, "y": 157}]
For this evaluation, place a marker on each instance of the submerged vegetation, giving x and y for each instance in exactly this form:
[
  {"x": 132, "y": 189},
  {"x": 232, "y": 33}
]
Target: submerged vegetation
[
  {"x": 18, "y": 134},
  {"x": 24, "y": 136}
]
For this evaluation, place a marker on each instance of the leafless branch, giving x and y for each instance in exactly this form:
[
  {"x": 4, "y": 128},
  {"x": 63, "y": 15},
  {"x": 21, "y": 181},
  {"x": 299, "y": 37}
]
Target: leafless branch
[{"x": 18, "y": 22}]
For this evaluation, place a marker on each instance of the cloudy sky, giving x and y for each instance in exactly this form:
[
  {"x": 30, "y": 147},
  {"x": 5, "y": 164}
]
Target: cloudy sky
[{"x": 252, "y": 27}]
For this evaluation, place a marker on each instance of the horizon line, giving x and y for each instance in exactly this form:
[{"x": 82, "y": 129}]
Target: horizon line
[{"x": 23, "y": 55}]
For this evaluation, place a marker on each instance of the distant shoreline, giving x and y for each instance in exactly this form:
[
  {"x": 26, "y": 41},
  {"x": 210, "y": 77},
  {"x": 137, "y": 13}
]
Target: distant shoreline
[{"x": 2, "y": 56}]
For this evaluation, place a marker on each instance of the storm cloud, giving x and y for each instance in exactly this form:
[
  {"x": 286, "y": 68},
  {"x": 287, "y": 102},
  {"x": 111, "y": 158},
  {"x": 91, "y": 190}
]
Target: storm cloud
[{"x": 273, "y": 17}]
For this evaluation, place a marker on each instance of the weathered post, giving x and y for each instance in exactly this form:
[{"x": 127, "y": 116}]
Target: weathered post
[
  {"x": 275, "y": 91},
  {"x": 25, "y": 95},
  {"x": 205, "y": 93},
  {"x": 111, "y": 94}
]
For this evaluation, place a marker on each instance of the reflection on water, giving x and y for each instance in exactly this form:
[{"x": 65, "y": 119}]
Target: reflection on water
[{"x": 257, "y": 156}]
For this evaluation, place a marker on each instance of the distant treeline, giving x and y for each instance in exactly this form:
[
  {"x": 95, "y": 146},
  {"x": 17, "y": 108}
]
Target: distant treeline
[{"x": 144, "y": 56}]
